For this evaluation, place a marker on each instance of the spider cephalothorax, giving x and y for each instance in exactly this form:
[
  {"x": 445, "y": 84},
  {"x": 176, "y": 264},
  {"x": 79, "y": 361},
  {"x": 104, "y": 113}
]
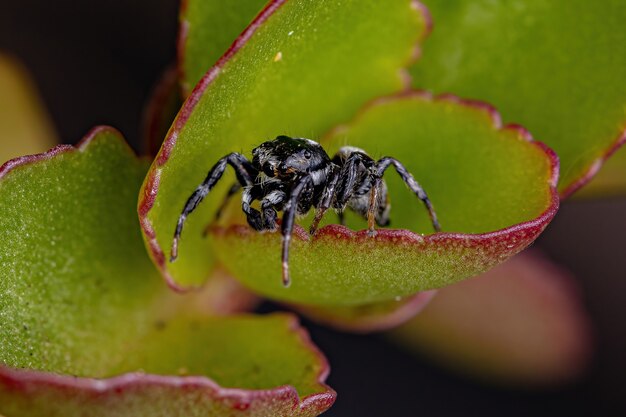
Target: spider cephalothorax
[{"x": 294, "y": 174}]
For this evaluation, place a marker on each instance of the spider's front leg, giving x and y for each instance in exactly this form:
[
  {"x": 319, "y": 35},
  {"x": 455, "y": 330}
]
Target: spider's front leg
[
  {"x": 243, "y": 170},
  {"x": 289, "y": 216},
  {"x": 406, "y": 176}
]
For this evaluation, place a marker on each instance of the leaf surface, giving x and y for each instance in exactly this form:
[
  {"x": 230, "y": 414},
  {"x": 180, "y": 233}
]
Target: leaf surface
[
  {"x": 556, "y": 67},
  {"x": 89, "y": 328},
  {"x": 493, "y": 190}
]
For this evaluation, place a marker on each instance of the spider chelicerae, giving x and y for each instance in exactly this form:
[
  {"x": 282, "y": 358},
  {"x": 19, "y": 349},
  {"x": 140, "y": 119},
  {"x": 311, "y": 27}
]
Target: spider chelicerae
[{"x": 295, "y": 174}]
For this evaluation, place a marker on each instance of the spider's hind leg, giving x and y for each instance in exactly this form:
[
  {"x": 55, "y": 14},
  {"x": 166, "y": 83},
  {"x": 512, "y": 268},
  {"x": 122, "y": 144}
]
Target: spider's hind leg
[
  {"x": 378, "y": 206},
  {"x": 406, "y": 176},
  {"x": 383, "y": 206}
]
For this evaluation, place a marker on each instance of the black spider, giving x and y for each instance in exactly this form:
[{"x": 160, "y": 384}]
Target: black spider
[{"x": 295, "y": 174}]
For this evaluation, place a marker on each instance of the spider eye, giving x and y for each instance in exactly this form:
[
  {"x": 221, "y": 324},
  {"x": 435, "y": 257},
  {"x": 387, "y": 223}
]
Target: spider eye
[{"x": 307, "y": 154}]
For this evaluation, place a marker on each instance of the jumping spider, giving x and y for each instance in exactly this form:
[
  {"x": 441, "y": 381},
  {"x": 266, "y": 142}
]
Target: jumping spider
[{"x": 295, "y": 174}]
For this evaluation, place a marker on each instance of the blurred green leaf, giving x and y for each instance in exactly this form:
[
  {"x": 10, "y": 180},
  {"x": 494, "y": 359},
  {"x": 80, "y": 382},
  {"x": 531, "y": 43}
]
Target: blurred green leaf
[
  {"x": 556, "y": 67},
  {"x": 522, "y": 323}
]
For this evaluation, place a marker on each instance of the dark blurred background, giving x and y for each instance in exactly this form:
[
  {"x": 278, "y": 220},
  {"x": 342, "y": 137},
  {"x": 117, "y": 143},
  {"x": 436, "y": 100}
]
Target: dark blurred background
[{"x": 95, "y": 62}]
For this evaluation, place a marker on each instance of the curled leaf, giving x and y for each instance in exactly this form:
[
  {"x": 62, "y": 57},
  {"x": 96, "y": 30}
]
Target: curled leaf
[{"x": 493, "y": 188}]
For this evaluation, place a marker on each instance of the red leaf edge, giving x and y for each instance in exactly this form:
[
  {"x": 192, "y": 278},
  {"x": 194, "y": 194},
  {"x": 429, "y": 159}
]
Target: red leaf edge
[
  {"x": 20, "y": 379},
  {"x": 61, "y": 149},
  {"x": 25, "y": 381}
]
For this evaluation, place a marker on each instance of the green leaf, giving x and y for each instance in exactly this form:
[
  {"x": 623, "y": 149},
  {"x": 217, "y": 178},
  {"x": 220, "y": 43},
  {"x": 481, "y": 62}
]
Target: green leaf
[
  {"x": 556, "y": 67},
  {"x": 80, "y": 299},
  {"x": 493, "y": 189},
  {"x": 207, "y": 29},
  {"x": 301, "y": 68},
  {"x": 522, "y": 323}
]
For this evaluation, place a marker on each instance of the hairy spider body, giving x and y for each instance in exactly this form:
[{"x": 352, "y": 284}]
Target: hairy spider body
[{"x": 293, "y": 175}]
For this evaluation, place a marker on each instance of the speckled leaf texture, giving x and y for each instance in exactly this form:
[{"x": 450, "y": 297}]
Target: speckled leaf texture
[
  {"x": 89, "y": 328},
  {"x": 301, "y": 68},
  {"x": 493, "y": 189},
  {"x": 556, "y": 67}
]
